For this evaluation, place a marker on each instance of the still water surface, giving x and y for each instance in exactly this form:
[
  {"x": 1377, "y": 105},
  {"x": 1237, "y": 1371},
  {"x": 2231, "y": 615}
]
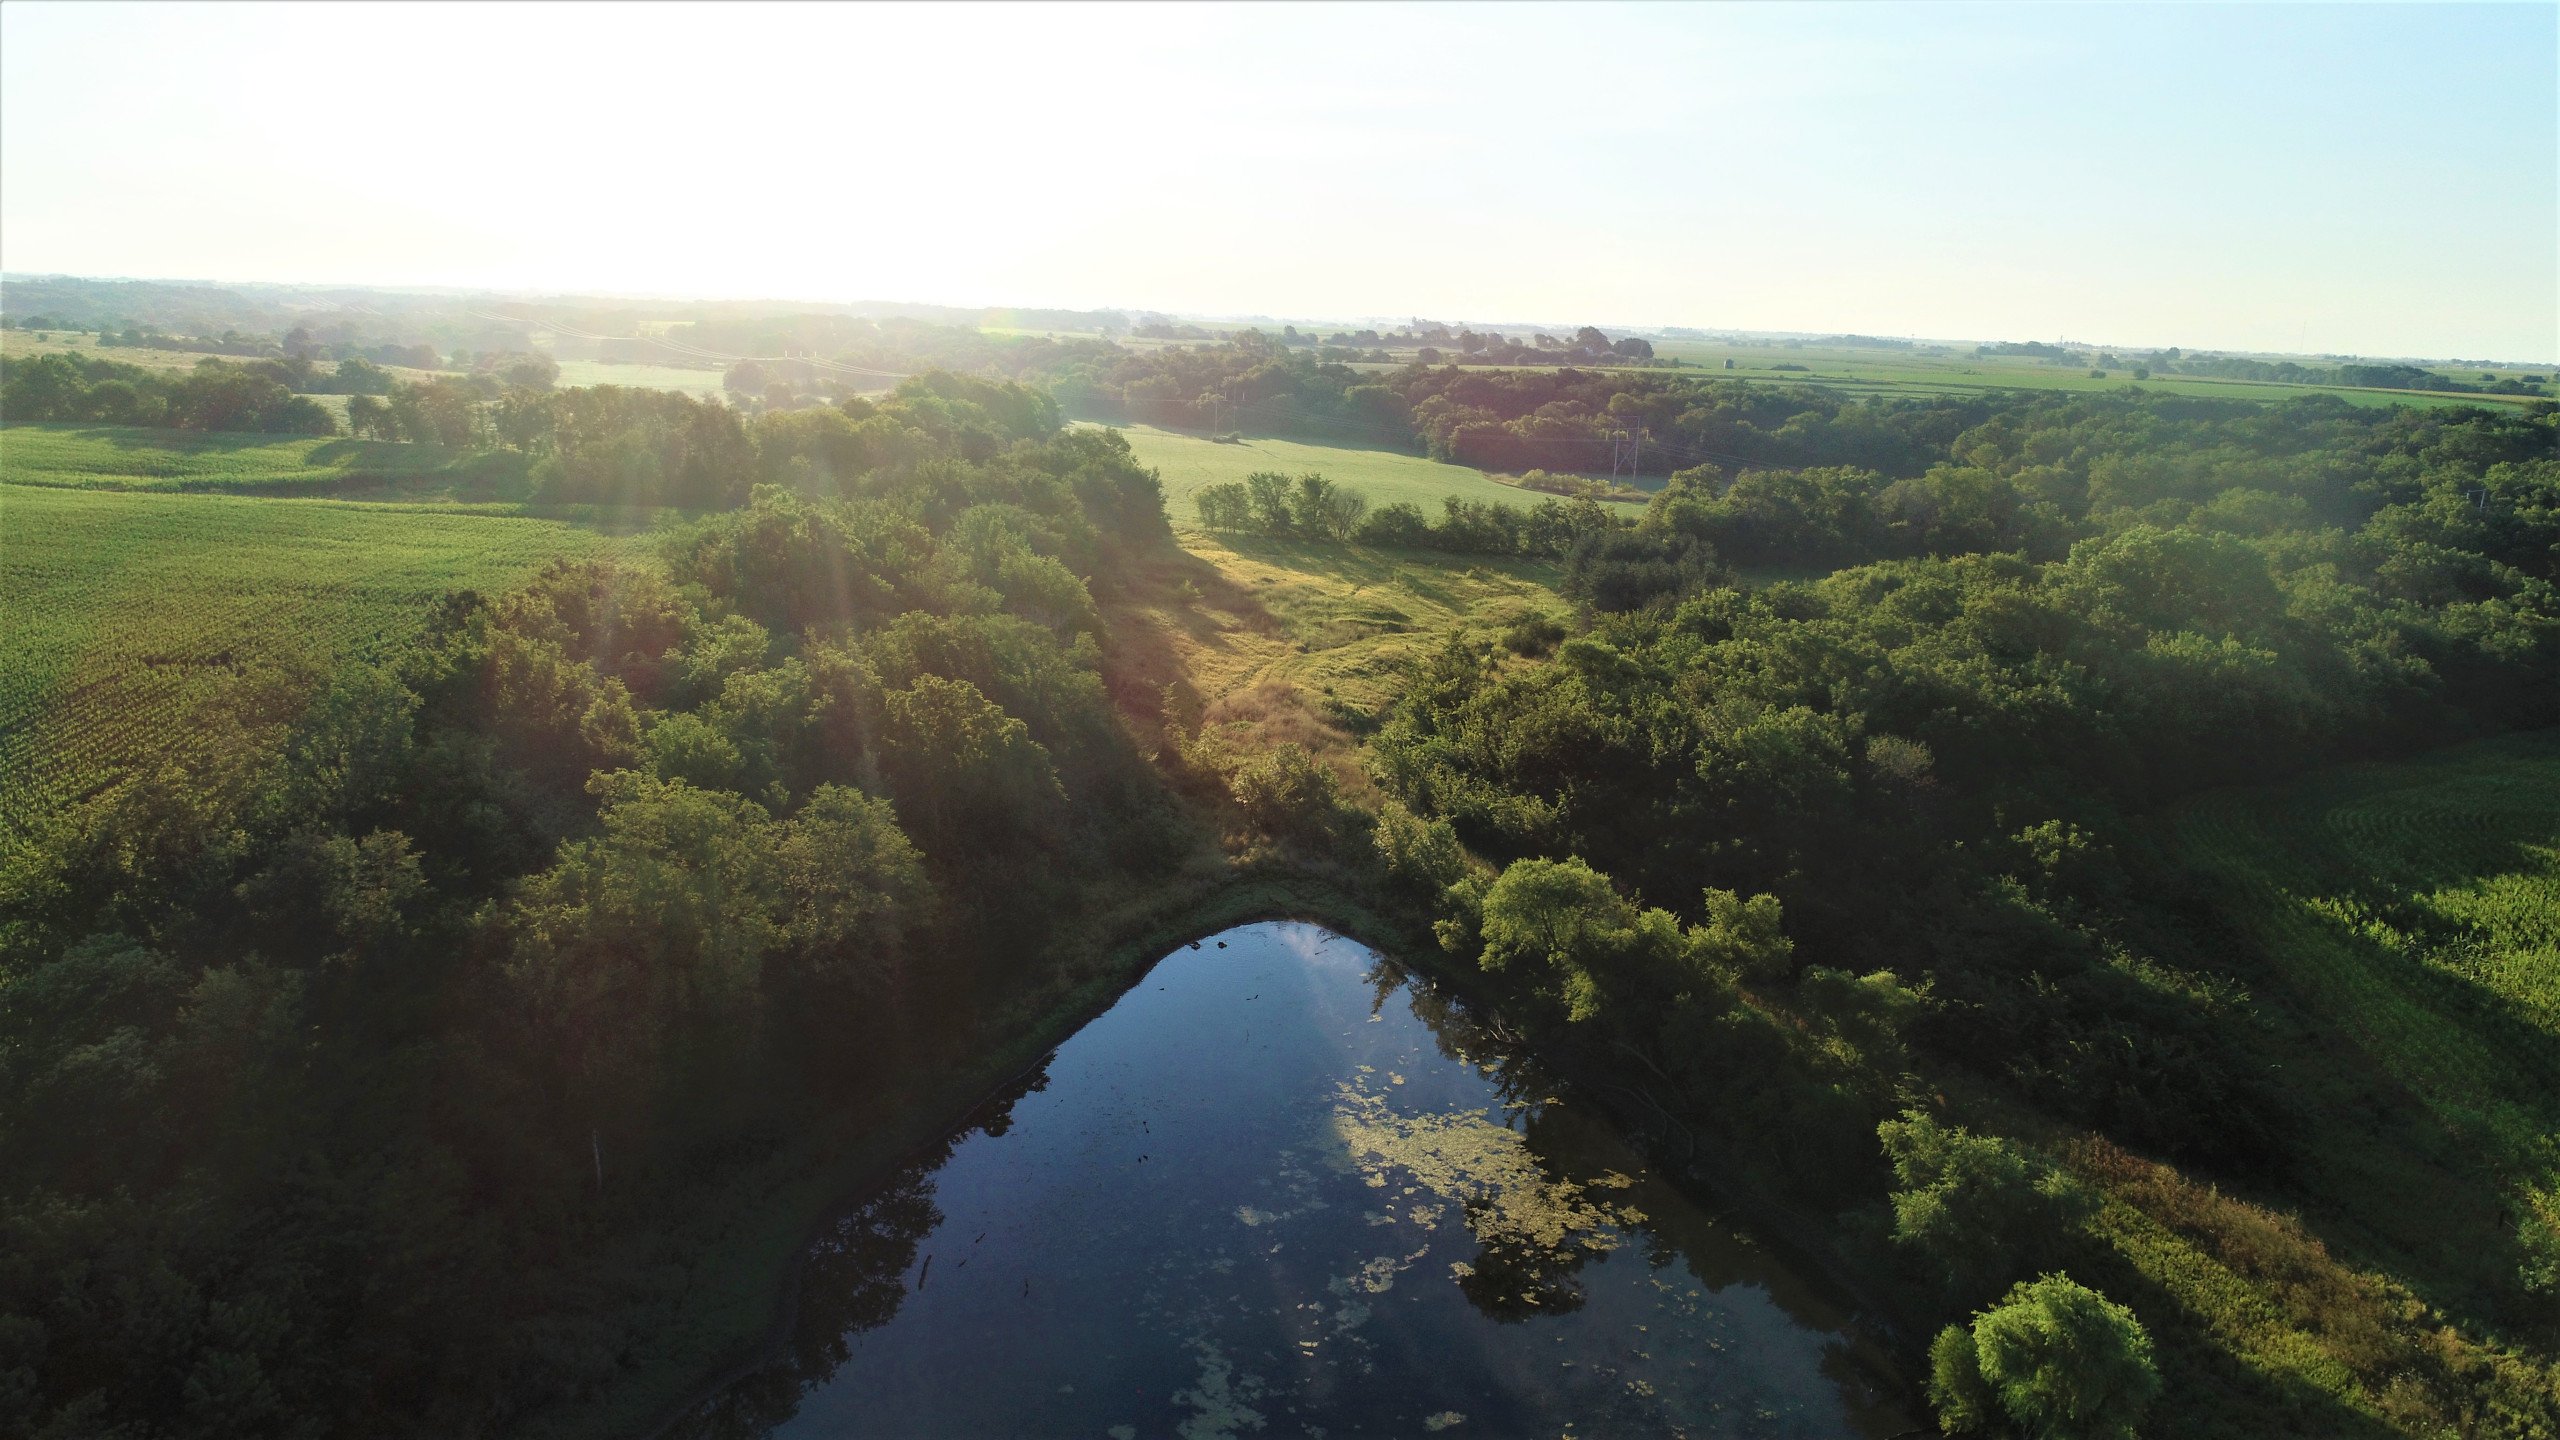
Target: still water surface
[{"x": 1284, "y": 1188}]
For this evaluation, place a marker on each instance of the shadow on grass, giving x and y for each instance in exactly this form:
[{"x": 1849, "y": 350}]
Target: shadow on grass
[{"x": 1140, "y": 665}]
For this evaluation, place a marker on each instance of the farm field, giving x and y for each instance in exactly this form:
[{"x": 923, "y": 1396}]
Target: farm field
[
  {"x": 130, "y": 458},
  {"x": 1897, "y": 372},
  {"x": 701, "y": 383},
  {"x": 126, "y": 611},
  {"x": 2400, "y": 926},
  {"x": 21, "y": 344},
  {"x": 1188, "y": 462}
]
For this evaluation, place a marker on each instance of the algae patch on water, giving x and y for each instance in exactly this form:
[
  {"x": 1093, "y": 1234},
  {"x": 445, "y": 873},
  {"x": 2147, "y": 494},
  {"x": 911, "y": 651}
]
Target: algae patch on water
[
  {"x": 1463, "y": 1157},
  {"x": 1220, "y": 1399}
]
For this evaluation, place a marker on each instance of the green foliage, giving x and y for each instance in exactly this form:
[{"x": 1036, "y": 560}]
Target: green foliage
[
  {"x": 1979, "y": 1209},
  {"x": 1283, "y": 791},
  {"x": 1315, "y": 508},
  {"x": 215, "y": 395},
  {"x": 2053, "y": 1360},
  {"x": 131, "y": 613},
  {"x": 1422, "y": 854},
  {"x": 2411, "y": 905},
  {"x": 122, "y": 458},
  {"x": 489, "y": 961},
  {"x": 966, "y": 775},
  {"x": 1561, "y": 929}
]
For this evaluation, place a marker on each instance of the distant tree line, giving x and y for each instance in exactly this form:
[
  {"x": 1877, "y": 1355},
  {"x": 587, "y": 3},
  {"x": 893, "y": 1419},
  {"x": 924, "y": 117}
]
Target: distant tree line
[
  {"x": 215, "y": 395},
  {"x": 1311, "y": 507}
]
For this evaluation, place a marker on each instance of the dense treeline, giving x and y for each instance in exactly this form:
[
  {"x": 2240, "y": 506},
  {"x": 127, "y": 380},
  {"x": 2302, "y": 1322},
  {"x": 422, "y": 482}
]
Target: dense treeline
[
  {"x": 1556, "y": 419},
  {"x": 1311, "y": 507},
  {"x": 365, "y": 1081},
  {"x": 215, "y": 395},
  {"x": 1767, "y": 855}
]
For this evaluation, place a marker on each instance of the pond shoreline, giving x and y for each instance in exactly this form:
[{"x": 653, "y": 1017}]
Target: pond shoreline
[
  {"x": 850, "y": 1169},
  {"x": 941, "y": 1105}
]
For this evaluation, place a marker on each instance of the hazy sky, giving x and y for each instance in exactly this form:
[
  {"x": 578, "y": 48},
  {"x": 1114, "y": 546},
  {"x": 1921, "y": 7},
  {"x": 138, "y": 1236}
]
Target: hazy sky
[{"x": 2378, "y": 179}]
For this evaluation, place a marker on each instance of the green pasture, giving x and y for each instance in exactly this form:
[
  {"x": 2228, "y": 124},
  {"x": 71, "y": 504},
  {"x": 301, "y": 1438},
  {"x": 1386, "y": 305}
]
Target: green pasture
[
  {"x": 131, "y": 458},
  {"x": 123, "y": 613},
  {"x": 1188, "y": 462}
]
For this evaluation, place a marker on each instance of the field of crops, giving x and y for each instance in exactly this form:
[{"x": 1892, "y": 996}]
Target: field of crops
[
  {"x": 129, "y": 458},
  {"x": 17, "y": 344},
  {"x": 704, "y": 384},
  {"x": 1188, "y": 462},
  {"x": 125, "y": 611},
  {"x": 1864, "y": 371},
  {"x": 2415, "y": 908}
]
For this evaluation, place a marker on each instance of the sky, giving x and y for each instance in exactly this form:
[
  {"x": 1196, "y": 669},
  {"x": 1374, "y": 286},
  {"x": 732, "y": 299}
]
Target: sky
[{"x": 2370, "y": 179}]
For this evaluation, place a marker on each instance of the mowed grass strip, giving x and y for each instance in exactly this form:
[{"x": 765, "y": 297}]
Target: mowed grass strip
[
  {"x": 1189, "y": 462},
  {"x": 122, "y": 611},
  {"x": 126, "y": 457}
]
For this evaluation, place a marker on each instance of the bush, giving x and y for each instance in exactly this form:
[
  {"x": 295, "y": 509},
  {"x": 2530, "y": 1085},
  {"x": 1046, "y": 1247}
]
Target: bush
[
  {"x": 2054, "y": 1359},
  {"x": 1533, "y": 634},
  {"x": 1284, "y": 791},
  {"x": 1980, "y": 1209},
  {"x": 1424, "y": 854},
  {"x": 1618, "y": 570},
  {"x": 1399, "y": 526}
]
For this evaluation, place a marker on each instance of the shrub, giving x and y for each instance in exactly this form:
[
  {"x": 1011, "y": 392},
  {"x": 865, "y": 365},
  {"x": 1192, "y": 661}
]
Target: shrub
[
  {"x": 1424, "y": 854},
  {"x": 2054, "y": 1359},
  {"x": 1284, "y": 791},
  {"x": 1400, "y": 526},
  {"x": 1974, "y": 1204},
  {"x": 1533, "y": 634}
]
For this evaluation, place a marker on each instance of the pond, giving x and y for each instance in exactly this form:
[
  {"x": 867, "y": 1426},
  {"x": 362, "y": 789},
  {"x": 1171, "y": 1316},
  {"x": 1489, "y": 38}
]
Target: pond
[{"x": 1286, "y": 1188}]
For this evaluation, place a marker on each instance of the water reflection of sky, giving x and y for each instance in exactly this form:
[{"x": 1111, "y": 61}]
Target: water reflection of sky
[{"x": 1279, "y": 1190}]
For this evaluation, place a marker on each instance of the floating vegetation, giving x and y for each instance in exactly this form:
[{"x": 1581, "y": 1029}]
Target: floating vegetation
[
  {"x": 1486, "y": 1169},
  {"x": 1220, "y": 1400}
]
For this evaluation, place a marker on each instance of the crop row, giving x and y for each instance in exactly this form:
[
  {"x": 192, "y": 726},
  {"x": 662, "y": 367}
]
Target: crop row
[{"x": 128, "y": 611}]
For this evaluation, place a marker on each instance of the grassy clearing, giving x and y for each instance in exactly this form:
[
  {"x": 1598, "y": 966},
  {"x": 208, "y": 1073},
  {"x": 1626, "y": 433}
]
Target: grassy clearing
[
  {"x": 1188, "y": 462},
  {"x": 1337, "y": 621},
  {"x": 702, "y": 384},
  {"x": 119, "y": 457},
  {"x": 127, "y": 612}
]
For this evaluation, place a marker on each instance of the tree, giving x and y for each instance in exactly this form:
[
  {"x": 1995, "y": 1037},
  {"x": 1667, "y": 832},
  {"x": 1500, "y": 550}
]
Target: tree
[
  {"x": 1224, "y": 506},
  {"x": 533, "y": 372},
  {"x": 1284, "y": 791},
  {"x": 965, "y": 774},
  {"x": 1319, "y": 507},
  {"x": 367, "y": 418},
  {"x": 1981, "y": 1210},
  {"x": 2054, "y": 1360},
  {"x": 1269, "y": 494}
]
